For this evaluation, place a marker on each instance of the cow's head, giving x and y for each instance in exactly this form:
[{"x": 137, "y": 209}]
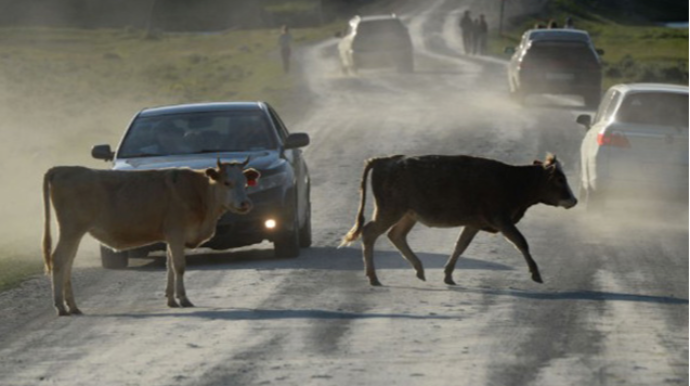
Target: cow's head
[
  {"x": 231, "y": 180},
  {"x": 555, "y": 190}
]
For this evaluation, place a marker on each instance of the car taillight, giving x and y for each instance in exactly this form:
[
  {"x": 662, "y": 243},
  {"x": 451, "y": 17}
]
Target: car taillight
[{"x": 615, "y": 139}]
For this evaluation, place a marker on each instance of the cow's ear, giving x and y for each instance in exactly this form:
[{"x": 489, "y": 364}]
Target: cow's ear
[
  {"x": 252, "y": 176},
  {"x": 536, "y": 162},
  {"x": 213, "y": 174}
]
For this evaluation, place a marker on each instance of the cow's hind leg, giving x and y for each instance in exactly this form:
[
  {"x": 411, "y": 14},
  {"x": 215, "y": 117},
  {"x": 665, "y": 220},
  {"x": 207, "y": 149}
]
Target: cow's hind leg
[
  {"x": 371, "y": 231},
  {"x": 64, "y": 253},
  {"x": 461, "y": 245},
  {"x": 398, "y": 236},
  {"x": 179, "y": 265},
  {"x": 514, "y": 236},
  {"x": 69, "y": 293}
]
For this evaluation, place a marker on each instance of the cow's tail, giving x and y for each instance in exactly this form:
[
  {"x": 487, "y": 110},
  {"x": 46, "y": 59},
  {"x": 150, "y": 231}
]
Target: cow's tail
[
  {"x": 356, "y": 230},
  {"x": 47, "y": 239}
]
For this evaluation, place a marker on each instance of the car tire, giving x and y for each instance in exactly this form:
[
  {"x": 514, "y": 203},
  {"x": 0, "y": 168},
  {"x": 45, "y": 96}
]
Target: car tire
[
  {"x": 305, "y": 238},
  {"x": 114, "y": 260},
  {"x": 287, "y": 244},
  {"x": 138, "y": 253}
]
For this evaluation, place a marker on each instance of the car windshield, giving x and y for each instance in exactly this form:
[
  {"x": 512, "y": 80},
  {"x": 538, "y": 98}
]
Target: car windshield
[
  {"x": 570, "y": 52},
  {"x": 381, "y": 27},
  {"x": 655, "y": 108},
  {"x": 197, "y": 133}
]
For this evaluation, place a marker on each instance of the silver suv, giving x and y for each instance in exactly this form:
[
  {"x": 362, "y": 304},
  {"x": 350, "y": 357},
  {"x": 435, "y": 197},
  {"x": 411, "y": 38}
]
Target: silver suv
[{"x": 375, "y": 41}]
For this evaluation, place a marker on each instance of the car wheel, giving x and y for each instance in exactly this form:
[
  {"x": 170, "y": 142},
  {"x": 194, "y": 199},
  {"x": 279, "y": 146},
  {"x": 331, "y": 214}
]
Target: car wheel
[
  {"x": 138, "y": 253},
  {"x": 287, "y": 244},
  {"x": 114, "y": 260},
  {"x": 305, "y": 230}
]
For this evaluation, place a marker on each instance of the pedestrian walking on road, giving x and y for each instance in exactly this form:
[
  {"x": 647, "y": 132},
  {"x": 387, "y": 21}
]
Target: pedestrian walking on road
[
  {"x": 285, "y": 43},
  {"x": 467, "y": 26}
]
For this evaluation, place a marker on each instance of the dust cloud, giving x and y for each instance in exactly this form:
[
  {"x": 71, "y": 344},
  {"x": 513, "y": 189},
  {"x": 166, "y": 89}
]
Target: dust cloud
[{"x": 40, "y": 128}]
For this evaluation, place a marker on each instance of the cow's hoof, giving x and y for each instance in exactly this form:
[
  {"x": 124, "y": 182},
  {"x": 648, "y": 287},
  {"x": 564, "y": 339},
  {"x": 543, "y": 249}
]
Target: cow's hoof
[
  {"x": 172, "y": 303},
  {"x": 420, "y": 275},
  {"x": 449, "y": 280},
  {"x": 62, "y": 312},
  {"x": 375, "y": 282},
  {"x": 75, "y": 311},
  {"x": 537, "y": 277},
  {"x": 184, "y": 302}
]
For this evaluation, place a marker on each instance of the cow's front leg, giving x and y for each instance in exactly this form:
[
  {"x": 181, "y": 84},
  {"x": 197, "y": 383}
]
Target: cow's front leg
[
  {"x": 511, "y": 233},
  {"x": 170, "y": 287},
  {"x": 179, "y": 263},
  {"x": 461, "y": 245}
]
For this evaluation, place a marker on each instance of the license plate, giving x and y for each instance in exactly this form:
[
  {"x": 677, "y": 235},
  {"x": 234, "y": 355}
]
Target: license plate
[{"x": 559, "y": 76}]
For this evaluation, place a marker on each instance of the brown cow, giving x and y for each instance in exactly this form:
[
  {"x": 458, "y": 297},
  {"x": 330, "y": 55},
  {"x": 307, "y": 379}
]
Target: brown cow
[
  {"x": 451, "y": 191},
  {"x": 127, "y": 209}
]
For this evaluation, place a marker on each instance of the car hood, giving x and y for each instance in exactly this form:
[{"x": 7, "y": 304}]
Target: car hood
[{"x": 263, "y": 160}]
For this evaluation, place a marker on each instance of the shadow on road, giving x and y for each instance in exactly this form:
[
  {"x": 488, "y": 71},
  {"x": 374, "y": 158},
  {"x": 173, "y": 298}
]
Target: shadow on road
[
  {"x": 262, "y": 314},
  {"x": 323, "y": 258},
  {"x": 575, "y": 295}
]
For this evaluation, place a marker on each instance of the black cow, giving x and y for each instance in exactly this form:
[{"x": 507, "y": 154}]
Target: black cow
[{"x": 450, "y": 191}]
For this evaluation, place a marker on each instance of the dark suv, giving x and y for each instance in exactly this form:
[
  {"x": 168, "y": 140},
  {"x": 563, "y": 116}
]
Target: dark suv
[
  {"x": 375, "y": 41},
  {"x": 556, "y": 61}
]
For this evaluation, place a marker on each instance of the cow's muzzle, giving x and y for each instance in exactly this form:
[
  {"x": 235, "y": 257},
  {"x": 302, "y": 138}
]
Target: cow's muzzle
[
  {"x": 244, "y": 207},
  {"x": 567, "y": 204}
]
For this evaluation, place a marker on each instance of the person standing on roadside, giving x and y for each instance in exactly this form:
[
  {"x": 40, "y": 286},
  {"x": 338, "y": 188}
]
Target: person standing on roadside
[
  {"x": 467, "y": 27},
  {"x": 285, "y": 43},
  {"x": 569, "y": 23}
]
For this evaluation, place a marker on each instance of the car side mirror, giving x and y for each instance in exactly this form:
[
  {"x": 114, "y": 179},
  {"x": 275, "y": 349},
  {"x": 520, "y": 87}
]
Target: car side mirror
[
  {"x": 509, "y": 50},
  {"x": 297, "y": 140},
  {"x": 585, "y": 120},
  {"x": 102, "y": 152},
  {"x": 600, "y": 51}
]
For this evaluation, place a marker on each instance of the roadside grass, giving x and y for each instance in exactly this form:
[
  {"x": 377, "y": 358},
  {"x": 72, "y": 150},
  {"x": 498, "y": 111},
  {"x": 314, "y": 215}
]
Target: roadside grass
[
  {"x": 65, "y": 90},
  {"x": 16, "y": 266},
  {"x": 633, "y": 51}
]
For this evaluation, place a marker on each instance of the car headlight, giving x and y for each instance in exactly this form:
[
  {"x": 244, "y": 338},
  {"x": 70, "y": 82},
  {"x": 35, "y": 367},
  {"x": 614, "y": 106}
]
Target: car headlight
[{"x": 269, "y": 182}]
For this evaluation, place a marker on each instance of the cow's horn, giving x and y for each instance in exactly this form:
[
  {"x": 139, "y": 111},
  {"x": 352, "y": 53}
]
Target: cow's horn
[{"x": 246, "y": 162}]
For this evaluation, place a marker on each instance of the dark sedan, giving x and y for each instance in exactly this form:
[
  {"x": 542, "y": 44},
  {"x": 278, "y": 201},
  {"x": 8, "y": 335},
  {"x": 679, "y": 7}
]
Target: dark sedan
[{"x": 196, "y": 136}]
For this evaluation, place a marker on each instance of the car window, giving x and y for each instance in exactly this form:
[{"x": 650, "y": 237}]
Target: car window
[
  {"x": 571, "y": 52},
  {"x": 607, "y": 106},
  {"x": 197, "y": 133},
  {"x": 381, "y": 27},
  {"x": 654, "y": 108}
]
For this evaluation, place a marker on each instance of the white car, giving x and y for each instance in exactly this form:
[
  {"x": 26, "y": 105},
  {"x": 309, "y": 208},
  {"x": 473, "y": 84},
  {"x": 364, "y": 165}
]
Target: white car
[{"x": 636, "y": 145}]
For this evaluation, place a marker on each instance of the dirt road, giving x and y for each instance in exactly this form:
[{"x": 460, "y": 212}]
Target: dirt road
[{"x": 613, "y": 309}]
